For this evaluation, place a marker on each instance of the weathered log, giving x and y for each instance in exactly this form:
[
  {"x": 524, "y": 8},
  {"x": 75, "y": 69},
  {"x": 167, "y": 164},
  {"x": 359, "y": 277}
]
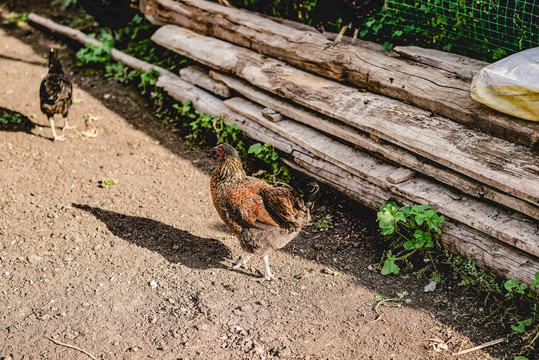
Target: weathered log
[
  {"x": 522, "y": 235},
  {"x": 458, "y": 64},
  {"x": 467, "y": 151},
  {"x": 432, "y": 89},
  {"x": 83, "y": 39},
  {"x": 199, "y": 76},
  {"x": 386, "y": 150}
]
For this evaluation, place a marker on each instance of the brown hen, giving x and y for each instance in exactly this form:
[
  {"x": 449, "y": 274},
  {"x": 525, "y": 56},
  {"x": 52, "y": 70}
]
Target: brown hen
[{"x": 263, "y": 217}]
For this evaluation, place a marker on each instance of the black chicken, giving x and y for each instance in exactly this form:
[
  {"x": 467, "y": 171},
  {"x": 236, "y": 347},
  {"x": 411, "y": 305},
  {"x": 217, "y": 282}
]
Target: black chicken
[
  {"x": 263, "y": 217},
  {"x": 56, "y": 93},
  {"x": 352, "y": 12}
]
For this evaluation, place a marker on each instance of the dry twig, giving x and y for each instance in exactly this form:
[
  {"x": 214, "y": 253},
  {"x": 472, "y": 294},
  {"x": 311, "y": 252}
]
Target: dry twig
[
  {"x": 479, "y": 347},
  {"x": 71, "y": 346}
]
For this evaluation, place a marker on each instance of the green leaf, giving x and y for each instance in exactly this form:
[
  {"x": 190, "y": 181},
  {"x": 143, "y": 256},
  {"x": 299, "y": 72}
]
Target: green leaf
[
  {"x": 387, "y": 46},
  {"x": 255, "y": 149},
  {"x": 518, "y": 327},
  {"x": 389, "y": 265},
  {"x": 509, "y": 285}
]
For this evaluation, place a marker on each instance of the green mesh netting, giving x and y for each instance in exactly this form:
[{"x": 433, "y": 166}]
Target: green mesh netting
[{"x": 484, "y": 29}]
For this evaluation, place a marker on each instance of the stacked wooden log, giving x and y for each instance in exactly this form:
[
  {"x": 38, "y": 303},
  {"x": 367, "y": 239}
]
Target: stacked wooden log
[{"x": 374, "y": 125}]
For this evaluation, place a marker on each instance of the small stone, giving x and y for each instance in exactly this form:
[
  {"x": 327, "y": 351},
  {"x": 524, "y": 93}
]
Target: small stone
[
  {"x": 34, "y": 259},
  {"x": 106, "y": 96},
  {"x": 172, "y": 301},
  {"x": 257, "y": 350},
  {"x": 246, "y": 308},
  {"x": 153, "y": 284},
  {"x": 430, "y": 286},
  {"x": 202, "y": 326}
]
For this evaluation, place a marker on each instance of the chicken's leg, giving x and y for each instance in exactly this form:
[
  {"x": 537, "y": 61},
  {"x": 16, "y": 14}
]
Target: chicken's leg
[
  {"x": 356, "y": 31},
  {"x": 55, "y": 137},
  {"x": 338, "y": 39},
  {"x": 269, "y": 275}
]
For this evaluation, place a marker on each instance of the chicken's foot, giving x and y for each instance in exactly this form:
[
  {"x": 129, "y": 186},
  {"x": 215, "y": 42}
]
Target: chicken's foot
[
  {"x": 236, "y": 264},
  {"x": 338, "y": 39},
  {"x": 67, "y": 126},
  {"x": 55, "y": 136}
]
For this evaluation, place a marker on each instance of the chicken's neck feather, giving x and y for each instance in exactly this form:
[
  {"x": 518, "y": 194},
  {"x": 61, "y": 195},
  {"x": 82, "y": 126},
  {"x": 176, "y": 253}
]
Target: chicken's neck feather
[{"x": 230, "y": 170}]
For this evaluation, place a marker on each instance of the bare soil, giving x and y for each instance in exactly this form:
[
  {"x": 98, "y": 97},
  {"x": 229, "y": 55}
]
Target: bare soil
[{"x": 136, "y": 270}]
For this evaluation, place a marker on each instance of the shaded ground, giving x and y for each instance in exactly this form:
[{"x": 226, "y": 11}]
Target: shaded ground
[{"x": 136, "y": 270}]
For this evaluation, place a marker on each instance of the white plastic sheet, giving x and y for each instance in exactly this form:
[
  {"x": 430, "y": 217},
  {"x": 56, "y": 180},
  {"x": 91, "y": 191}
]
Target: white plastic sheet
[{"x": 510, "y": 85}]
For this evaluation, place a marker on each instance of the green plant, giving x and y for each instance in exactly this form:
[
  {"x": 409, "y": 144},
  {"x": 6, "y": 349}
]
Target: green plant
[
  {"x": 92, "y": 54},
  {"x": 519, "y": 327},
  {"x": 15, "y": 19},
  {"x": 268, "y": 155},
  {"x": 105, "y": 183},
  {"x": 325, "y": 223},
  {"x": 10, "y": 118},
  {"x": 510, "y": 297},
  {"x": 409, "y": 227}
]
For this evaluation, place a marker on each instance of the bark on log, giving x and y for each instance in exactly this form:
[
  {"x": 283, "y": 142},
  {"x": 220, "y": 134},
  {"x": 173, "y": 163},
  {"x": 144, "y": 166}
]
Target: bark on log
[
  {"x": 386, "y": 150},
  {"x": 199, "y": 76},
  {"x": 432, "y": 89},
  {"x": 498, "y": 163},
  {"x": 400, "y": 175},
  {"x": 458, "y": 64}
]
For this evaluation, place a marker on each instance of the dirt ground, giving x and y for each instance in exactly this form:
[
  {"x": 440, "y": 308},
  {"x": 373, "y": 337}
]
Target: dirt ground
[{"x": 136, "y": 270}]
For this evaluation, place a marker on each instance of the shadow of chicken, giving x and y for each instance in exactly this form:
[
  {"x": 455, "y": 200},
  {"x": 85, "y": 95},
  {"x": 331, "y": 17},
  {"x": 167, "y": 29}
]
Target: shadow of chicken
[
  {"x": 263, "y": 217},
  {"x": 55, "y": 93},
  {"x": 352, "y": 12}
]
